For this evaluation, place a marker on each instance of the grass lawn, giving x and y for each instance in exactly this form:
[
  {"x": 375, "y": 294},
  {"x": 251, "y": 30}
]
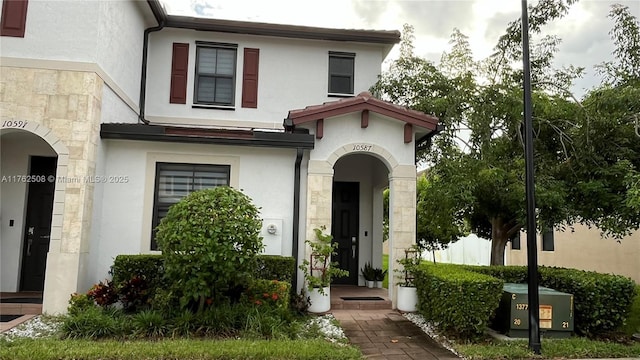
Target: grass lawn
[
  {"x": 385, "y": 266},
  {"x": 573, "y": 348},
  {"x": 184, "y": 349}
]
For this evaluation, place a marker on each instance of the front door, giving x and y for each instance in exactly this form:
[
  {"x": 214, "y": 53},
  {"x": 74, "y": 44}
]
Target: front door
[
  {"x": 345, "y": 229},
  {"x": 38, "y": 223}
]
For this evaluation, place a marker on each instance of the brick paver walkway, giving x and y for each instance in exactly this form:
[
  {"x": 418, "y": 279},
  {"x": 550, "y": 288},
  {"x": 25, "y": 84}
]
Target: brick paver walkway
[{"x": 386, "y": 334}]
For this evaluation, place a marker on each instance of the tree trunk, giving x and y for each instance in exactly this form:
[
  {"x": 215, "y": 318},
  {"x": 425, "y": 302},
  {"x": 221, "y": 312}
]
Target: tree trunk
[{"x": 499, "y": 240}]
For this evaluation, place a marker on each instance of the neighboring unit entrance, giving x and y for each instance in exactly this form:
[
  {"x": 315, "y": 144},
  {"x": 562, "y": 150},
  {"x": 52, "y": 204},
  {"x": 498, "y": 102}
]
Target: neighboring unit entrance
[
  {"x": 345, "y": 229},
  {"x": 38, "y": 223}
]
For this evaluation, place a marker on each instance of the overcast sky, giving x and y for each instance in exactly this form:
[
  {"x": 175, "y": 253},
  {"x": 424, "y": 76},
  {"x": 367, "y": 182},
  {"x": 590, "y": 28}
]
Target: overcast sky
[{"x": 584, "y": 31}]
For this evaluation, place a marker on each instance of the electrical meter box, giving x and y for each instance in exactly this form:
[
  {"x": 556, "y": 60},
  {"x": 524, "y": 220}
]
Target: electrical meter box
[{"x": 556, "y": 312}]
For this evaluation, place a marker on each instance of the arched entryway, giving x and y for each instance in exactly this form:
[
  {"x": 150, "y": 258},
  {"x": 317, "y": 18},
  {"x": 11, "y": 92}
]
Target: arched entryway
[
  {"x": 29, "y": 169},
  {"x": 357, "y": 213},
  {"x": 363, "y": 145}
]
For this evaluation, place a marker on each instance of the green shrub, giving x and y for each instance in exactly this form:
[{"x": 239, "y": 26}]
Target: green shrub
[
  {"x": 149, "y": 323},
  {"x": 270, "y": 324},
  {"x": 94, "y": 323},
  {"x": 149, "y": 267},
  {"x": 79, "y": 303},
  {"x": 104, "y": 294},
  {"x": 136, "y": 279},
  {"x": 508, "y": 274},
  {"x": 183, "y": 324},
  {"x": 247, "y": 321},
  {"x": 460, "y": 301},
  {"x": 223, "y": 320},
  {"x": 632, "y": 325},
  {"x": 209, "y": 242},
  {"x": 275, "y": 267},
  {"x": 602, "y": 301},
  {"x": 139, "y": 280},
  {"x": 268, "y": 293}
]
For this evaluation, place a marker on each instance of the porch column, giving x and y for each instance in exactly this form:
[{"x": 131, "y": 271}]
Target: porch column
[
  {"x": 402, "y": 219},
  {"x": 319, "y": 196},
  {"x": 64, "y": 108}
]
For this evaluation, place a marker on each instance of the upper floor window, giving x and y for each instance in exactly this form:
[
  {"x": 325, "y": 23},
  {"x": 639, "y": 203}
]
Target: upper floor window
[
  {"x": 174, "y": 181},
  {"x": 341, "y": 69},
  {"x": 215, "y": 73}
]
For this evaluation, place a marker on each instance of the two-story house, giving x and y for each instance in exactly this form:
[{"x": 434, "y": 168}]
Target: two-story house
[{"x": 112, "y": 111}]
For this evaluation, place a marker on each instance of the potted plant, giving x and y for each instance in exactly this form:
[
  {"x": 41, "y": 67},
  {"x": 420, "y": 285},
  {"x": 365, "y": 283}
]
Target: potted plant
[
  {"x": 379, "y": 275},
  {"x": 369, "y": 275},
  {"x": 407, "y": 299},
  {"x": 319, "y": 270}
]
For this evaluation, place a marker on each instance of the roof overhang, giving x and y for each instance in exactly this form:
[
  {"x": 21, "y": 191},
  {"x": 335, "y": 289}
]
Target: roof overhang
[
  {"x": 385, "y": 37},
  {"x": 179, "y": 134},
  {"x": 362, "y": 102}
]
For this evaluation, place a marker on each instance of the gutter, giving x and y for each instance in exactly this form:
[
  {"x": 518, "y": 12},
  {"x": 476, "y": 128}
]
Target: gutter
[
  {"x": 151, "y": 132},
  {"x": 425, "y": 141},
  {"x": 296, "y": 215},
  {"x": 143, "y": 76}
]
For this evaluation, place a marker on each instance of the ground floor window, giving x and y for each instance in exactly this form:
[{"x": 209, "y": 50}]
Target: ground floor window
[{"x": 175, "y": 181}]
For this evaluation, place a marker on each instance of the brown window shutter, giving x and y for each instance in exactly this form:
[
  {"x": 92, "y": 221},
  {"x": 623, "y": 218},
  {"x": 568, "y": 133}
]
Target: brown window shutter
[
  {"x": 250, "y": 78},
  {"x": 179, "y": 65},
  {"x": 14, "y": 18}
]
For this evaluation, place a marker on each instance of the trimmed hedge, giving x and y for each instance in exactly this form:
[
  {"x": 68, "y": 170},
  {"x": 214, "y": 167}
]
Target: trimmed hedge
[
  {"x": 460, "y": 301},
  {"x": 275, "y": 267},
  {"x": 139, "y": 276},
  {"x": 150, "y": 267},
  {"x": 126, "y": 267},
  {"x": 508, "y": 274},
  {"x": 602, "y": 301}
]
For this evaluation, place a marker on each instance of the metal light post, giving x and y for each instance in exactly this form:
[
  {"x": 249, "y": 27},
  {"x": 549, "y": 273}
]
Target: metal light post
[{"x": 532, "y": 251}]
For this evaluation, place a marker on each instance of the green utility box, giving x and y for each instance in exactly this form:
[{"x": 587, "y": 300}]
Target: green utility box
[{"x": 556, "y": 312}]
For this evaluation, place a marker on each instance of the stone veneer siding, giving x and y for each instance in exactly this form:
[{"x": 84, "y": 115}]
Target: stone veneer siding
[{"x": 62, "y": 107}]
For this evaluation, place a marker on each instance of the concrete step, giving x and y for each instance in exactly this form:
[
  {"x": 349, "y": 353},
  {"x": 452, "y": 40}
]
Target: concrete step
[
  {"x": 340, "y": 304},
  {"x": 7, "y": 308}
]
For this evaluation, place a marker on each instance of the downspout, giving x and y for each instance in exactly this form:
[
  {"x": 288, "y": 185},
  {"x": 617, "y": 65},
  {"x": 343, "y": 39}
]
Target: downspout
[
  {"x": 296, "y": 215},
  {"x": 143, "y": 75}
]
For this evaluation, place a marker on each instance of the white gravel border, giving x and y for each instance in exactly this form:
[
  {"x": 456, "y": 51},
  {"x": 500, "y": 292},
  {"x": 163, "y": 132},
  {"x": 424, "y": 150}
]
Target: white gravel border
[
  {"x": 430, "y": 329},
  {"x": 39, "y": 327},
  {"x": 36, "y": 327},
  {"x": 327, "y": 325}
]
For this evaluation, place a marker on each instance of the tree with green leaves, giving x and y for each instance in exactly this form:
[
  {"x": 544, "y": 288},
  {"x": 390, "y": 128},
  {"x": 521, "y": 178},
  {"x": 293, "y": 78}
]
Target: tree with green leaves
[
  {"x": 586, "y": 158},
  {"x": 210, "y": 240}
]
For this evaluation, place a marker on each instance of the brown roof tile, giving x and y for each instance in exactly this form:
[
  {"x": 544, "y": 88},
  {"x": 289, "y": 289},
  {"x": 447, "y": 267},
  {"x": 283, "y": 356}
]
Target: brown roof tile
[{"x": 363, "y": 101}]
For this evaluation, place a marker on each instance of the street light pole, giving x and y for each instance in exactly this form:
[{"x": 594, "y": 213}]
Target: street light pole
[{"x": 532, "y": 251}]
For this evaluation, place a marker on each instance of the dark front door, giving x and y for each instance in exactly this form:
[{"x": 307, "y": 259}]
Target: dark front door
[
  {"x": 345, "y": 229},
  {"x": 38, "y": 223}
]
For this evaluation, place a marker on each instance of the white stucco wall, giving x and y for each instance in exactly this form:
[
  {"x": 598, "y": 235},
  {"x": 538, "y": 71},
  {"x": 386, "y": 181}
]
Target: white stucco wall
[
  {"x": 264, "y": 174},
  {"x": 57, "y": 30},
  {"x": 114, "y": 110},
  {"x": 72, "y": 34},
  {"x": 93, "y": 256},
  {"x": 119, "y": 42},
  {"x": 15, "y": 149},
  {"x": 293, "y": 74},
  {"x": 385, "y": 133}
]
